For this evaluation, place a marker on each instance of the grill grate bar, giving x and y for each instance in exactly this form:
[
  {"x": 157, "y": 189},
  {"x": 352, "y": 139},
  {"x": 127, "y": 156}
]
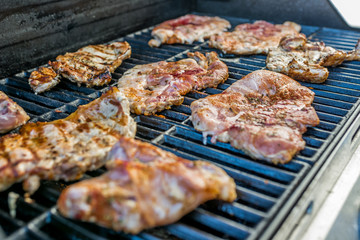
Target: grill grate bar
[
  {"x": 330, "y": 110},
  {"x": 344, "y": 84},
  {"x": 21, "y": 234},
  {"x": 188, "y": 232},
  {"x": 36, "y": 234},
  {"x": 329, "y": 102},
  {"x": 328, "y": 118},
  {"x": 333, "y": 89},
  {"x": 223, "y": 225},
  {"x": 264, "y": 186},
  {"x": 238, "y": 212},
  {"x": 313, "y": 142},
  {"x": 258, "y": 200},
  {"x": 340, "y": 36},
  {"x": 334, "y": 96},
  {"x": 31, "y": 225},
  {"x": 66, "y": 225},
  {"x": 8, "y": 223}
]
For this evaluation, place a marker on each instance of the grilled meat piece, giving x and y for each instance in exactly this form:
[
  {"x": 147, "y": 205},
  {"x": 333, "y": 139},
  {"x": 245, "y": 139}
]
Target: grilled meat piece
[
  {"x": 91, "y": 65},
  {"x": 11, "y": 114},
  {"x": 156, "y": 86},
  {"x": 187, "y": 29},
  {"x": 65, "y": 148},
  {"x": 307, "y": 61},
  {"x": 256, "y": 38},
  {"x": 145, "y": 187},
  {"x": 43, "y": 79},
  {"x": 264, "y": 114}
]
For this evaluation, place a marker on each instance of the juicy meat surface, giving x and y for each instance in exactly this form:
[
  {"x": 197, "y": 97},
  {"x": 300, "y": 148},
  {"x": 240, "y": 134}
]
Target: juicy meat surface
[
  {"x": 306, "y": 61},
  {"x": 11, "y": 114},
  {"x": 91, "y": 65},
  {"x": 187, "y": 29},
  {"x": 145, "y": 187},
  {"x": 264, "y": 114},
  {"x": 65, "y": 148},
  {"x": 43, "y": 79},
  {"x": 157, "y": 86},
  {"x": 255, "y": 38}
]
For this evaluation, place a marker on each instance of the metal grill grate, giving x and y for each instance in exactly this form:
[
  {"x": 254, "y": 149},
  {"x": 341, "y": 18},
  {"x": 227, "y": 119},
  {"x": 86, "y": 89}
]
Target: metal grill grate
[{"x": 262, "y": 188}]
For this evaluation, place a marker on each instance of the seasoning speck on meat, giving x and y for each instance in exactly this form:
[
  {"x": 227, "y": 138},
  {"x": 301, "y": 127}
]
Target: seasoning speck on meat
[
  {"x": 154, "y": 87},
  {"x": 144, "y": 187},
  {"x": 264, "y": 114}
]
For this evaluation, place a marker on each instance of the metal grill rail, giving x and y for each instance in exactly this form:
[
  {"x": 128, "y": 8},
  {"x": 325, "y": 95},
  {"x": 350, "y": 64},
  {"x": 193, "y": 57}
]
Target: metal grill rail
[{"x": 262, "y": 187}]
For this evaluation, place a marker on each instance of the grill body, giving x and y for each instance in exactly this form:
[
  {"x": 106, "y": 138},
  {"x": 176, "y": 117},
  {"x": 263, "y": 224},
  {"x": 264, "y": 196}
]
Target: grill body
[{"x": 267, "y": 193}]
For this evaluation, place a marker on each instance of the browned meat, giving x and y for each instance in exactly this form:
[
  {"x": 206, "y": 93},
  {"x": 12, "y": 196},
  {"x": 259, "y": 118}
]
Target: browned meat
[
  {"x": 256, "y": 38},
  {"x": 187, "y": 29},
  {"x": 156, "y": 86},
  {"x": 43, "y": 79},
  {"x": 264, "y": 114},
  {"x": 65, "y": 148},
  {"x": 11, "y": 114},
  {"x": 145, "y": 187},
  {"x": 91, "y": 65},
  {"x": 307, "y": 61}
]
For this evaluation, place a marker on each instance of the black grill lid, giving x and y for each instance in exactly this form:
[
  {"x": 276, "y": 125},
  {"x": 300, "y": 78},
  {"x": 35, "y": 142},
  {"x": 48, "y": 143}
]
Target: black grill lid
[{"x": 262, "y": 188}]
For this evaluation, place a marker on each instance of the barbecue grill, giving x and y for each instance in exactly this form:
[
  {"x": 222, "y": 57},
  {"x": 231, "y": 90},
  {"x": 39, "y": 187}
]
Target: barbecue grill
[{"x": 270, "y": 197}]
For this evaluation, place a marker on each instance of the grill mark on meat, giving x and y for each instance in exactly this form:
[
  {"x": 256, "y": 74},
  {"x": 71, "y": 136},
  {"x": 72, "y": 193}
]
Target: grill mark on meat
[
  {"x": 306, "y": 61},
  {"x": 264, "y": 114},
  {"x": 82, "y": 72},
  {"x": 103, "y": 53},
  {"x": 99, "y": 61},
  {"x": 90, "y": 66},
  {"x": 157, "y": 86},
  {"x": 90, "y": 61},
  {"x": 144, "y": 187}
]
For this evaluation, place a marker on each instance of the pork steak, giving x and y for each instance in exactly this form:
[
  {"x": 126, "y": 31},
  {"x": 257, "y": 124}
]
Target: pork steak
[
  {"x": 264, "y": 114},
  {"x": 145, "y": 187},
  {"x": 305, "y": 60},
  {"x": 253, "y": 38},
  {"x": 154, "y": 87},
  {"x": 187, "y": 29}
]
